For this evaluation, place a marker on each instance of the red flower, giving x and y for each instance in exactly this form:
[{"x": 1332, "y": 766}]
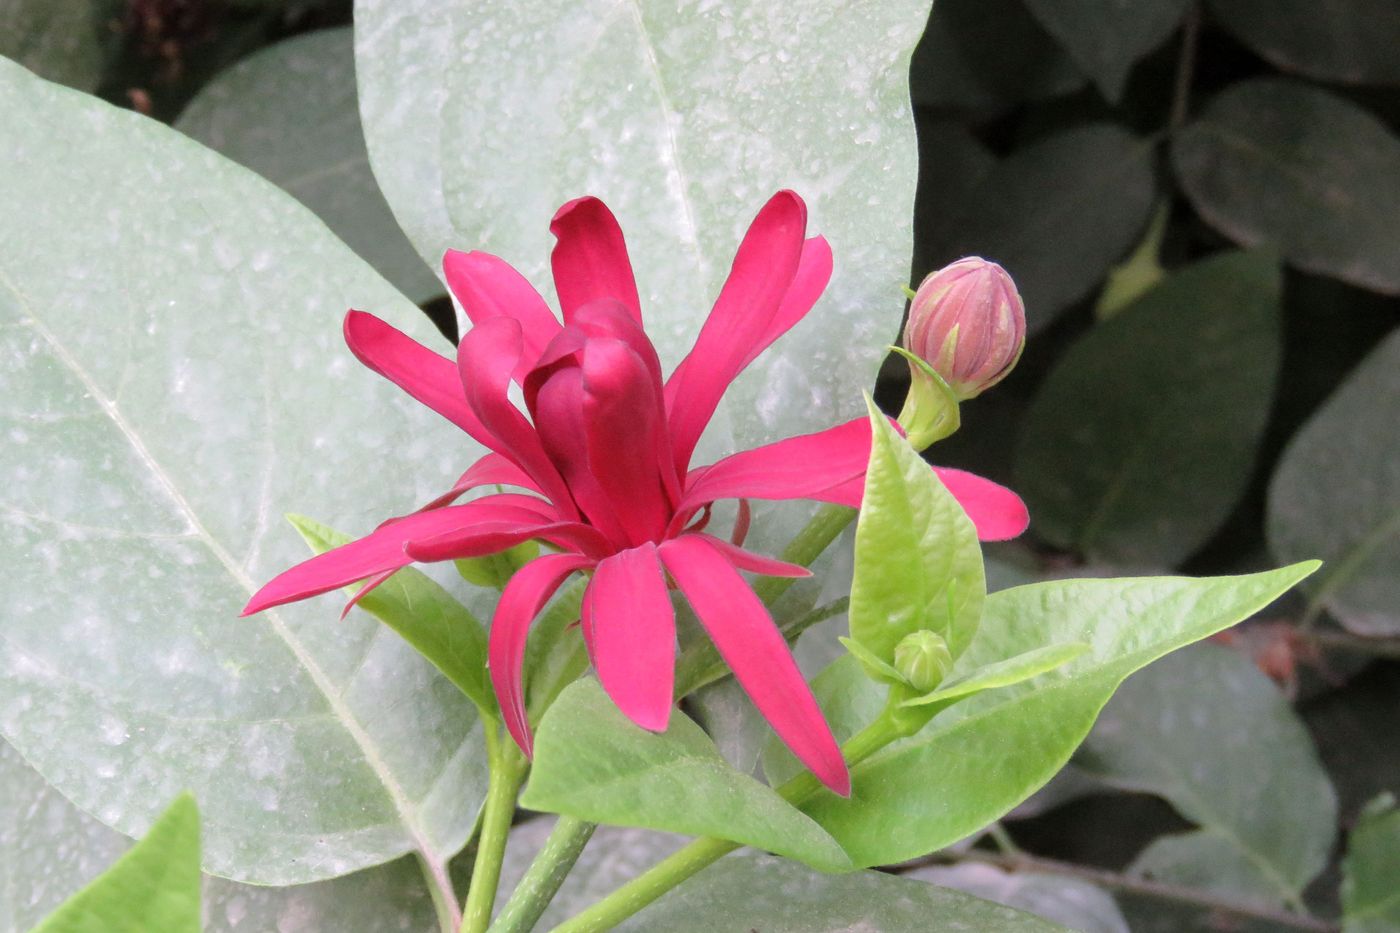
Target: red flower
[{"x": 604, "y": 459}]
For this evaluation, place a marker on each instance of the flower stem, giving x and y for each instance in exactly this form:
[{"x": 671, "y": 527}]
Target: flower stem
[
  {"x": 700, "y": 854},
  {"x": 508, "y": 769},
  {"x": 546, "y": 873}
]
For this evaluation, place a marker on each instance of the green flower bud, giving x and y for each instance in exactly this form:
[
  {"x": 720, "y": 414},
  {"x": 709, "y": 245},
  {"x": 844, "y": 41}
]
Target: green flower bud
[{"x": 923, "y": 660}]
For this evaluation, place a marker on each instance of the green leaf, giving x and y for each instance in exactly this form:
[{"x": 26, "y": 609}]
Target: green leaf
[
  {"x": 173, "y": 379},
  {"x": 1276, "y": 161},
  {"x": 1370, "y": 899},
  {"x": 61, "y": 40},
  {"x": 49, "y": 849},
  {"x": 1352, "y": 42},
  {"x": 995, "y": 749},
  {"x": 849, "y": 699},
  {"x": 1099, "y": 175},
  {"x": 986, "y": 56},
  {"x": 1077, "y": 904},
  {"x": 153, "y": 887},
  {"x": 1214, "y": 736},
  {"x": 482, "y": 118},
  {"x": 427, "y": 617},
  {"x": 289, "y": 113},
  {"x": 1004, "y": 673},
  {"x": 592, "y": 763},
  {"x": 1106, "y": 39},
  {"x": 918, "y": 564},
  {"x": 1336, "y": 495},
  {"x": 1144, "y": 435}
]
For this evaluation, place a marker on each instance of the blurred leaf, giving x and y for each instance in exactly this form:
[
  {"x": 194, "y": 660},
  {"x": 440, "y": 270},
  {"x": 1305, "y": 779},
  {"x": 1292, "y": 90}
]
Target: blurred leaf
[
  {"x": 1276, "y": 161},
  {"x": 1057, "y": 214},
  {"x": 154, "y": 886},
  {"x": 731, "y": 720},
  {"x": 49, "y": 848},
  {"x": 1370, "y": 896},
  {"x": 1214, "y": 736},
  {"x": 985, "y": 56},
  {"x": 993, "y": 750},
  {"x": 289, "y": 113},
  {"x": 1336, "y": 495},
  {"x": 482, "y": 118},
  {"x": 427, "y": 617},
  {"x": 172, "y": 377},
  {"x": 1354, "y": 730},
  {"x": 592, "y": 763},
  {"x": 61, "y": 40},
  {"x": 1077, "y": 904},
  {"x": 918, "y": 565},
  {"x": 1352, "y": 42},
  {"x": 1144, "y": 435},
  {"x": 759, "y": 892},
  {"x": 1105, "y": 39}
]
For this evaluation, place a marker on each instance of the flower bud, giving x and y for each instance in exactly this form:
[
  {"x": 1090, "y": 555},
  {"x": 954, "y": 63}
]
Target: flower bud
[
  {"x": 923, "y": 659},
  {"x": 968, "y": 322}
]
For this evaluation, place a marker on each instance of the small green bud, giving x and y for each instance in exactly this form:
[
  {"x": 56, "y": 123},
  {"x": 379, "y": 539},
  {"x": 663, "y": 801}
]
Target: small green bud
[
  {"x": 923, "y": 660},
  {"x": 495, "y": 570}
]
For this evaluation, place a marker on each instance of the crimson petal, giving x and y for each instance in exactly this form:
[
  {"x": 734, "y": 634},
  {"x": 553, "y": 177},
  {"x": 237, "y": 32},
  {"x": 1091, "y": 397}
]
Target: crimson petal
[
  {"x": 487, "y": 286},
  {"x": 427, "y": 376},
  {"x": 751, "y": 645},
  {"x": 632, "y": 635},
  {"x": 590, "y": 259},
  {"x": 756, "y": 563},
  {"x": 763, "y": 270},
  {"x": 521, "y": 601}
]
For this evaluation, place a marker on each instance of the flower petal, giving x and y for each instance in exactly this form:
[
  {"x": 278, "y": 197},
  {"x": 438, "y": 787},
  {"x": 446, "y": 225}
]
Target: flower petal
[
  {"x": 751, "y": 645},
  {"x": 521, "y": 601},
  {"x": 427, "y": 376},
  {"x": 997, "y": 512},
  {"x": 590, "y": 259},
  {"x": 756, "y": 563},
  {"x": 488, "y": 286},
  {"x": 799, "y": 467},
  {"x": 763, "y": 271},
  {"x": 379, "y": 551},
  {"x": 491, "y": 470},
  {"x": 486, "y": 358},
  {"x": 494, "y": 537},
  {"x": 632, "y": 631}
]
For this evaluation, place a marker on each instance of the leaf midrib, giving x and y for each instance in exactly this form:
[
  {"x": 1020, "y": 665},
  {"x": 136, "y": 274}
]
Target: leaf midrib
[{"x": 397, "y": 796}]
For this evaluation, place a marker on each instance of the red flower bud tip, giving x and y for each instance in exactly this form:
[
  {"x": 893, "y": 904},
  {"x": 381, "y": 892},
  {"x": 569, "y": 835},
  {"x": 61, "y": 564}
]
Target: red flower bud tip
[{"x": 968, "y": 322}]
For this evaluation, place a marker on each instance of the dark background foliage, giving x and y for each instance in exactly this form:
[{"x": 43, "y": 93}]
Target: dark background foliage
[{"x": 1200, "y": 202}]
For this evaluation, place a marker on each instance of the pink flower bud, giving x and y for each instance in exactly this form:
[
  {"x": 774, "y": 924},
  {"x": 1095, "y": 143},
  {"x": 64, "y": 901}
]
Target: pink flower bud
[{"x": 967, "y": 321}]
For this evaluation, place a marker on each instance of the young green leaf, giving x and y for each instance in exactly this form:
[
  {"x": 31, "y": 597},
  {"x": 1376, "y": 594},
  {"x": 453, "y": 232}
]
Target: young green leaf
[
  {"x": 993, "y": 750},
  {"x": 426, "y": 615},
  {"x": 918, "y": 565},
  {"x": 1023, "y": 667},
  {"x": 593, "y": 763},
  {"x": 153, "y": 887}
]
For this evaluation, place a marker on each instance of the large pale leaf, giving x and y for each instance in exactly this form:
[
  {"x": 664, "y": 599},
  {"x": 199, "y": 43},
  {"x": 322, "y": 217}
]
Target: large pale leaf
[
  {"x": 1105, "y": 39},
  {"x": 172, "y": 380},
  {"x": 1276, "y": 161},
  {"x": 1057, "y": 214},
  {"x": 482, "y": 118},
  {"x": 983, "y": 756},
  {"x": 1336, "y": 495},
  {"x": 49, "y": 849},
  {"x": 63, "y": 40},
  {"x": 1370, "y": 898},
  {"x": 1210, "y": 733},
  {"x": 592, "y": 763},
  {"x": 153, "y": 886},
  {"x": 918, "y": 565},
  {"x": 1077, "y": 904},
  {"x": 1144, "y": 435},
  {"x": 289, "y": 113},
  {"x": 1352, "y": 42}
]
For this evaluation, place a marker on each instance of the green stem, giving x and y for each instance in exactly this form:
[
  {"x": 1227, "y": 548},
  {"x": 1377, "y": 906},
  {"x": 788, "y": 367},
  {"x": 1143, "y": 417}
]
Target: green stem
[
  {"x": 546, "y": 873},
  {"x": 449, "y": 916},
  {"x": 809, "y": 544},
  {"x": 508, "y": 769},
  {"x": 700, "y": 854}
]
